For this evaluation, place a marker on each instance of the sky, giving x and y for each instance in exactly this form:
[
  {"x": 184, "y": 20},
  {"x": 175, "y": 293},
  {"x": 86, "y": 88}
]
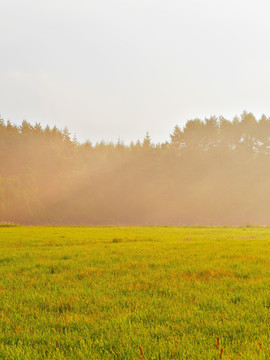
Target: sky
[{"x": 112, "y": 70}]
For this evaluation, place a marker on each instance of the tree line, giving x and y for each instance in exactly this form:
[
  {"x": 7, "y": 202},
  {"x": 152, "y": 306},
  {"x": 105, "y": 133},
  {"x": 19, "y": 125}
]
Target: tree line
[{"x": 211, "y": 172}]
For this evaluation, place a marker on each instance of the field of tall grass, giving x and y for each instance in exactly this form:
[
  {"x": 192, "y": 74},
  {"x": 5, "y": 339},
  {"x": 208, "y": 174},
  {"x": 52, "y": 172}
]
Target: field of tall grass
[{"x": 134, "y": 293}]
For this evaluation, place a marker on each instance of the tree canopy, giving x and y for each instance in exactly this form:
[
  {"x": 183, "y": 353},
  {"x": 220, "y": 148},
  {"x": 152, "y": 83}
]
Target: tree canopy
[{"x": 211, "y": 172}]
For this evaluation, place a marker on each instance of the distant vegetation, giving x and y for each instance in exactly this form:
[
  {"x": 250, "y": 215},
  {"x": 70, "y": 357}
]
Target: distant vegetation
[{"x": 211, "y": 172}]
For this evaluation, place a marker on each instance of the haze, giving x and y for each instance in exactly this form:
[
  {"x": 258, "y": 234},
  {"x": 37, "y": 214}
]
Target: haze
[{"x": 117, "y": 69}]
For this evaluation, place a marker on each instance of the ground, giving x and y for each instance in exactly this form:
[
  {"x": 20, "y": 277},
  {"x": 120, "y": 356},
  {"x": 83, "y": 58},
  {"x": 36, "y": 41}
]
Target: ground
[{"x": 134, "y": 293}]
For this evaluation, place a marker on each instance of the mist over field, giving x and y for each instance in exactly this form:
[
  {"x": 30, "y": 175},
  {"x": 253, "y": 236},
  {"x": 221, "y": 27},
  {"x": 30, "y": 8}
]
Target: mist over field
[
  {"x": 211, "y": 172},
  {"x": 115, "y": 70}
]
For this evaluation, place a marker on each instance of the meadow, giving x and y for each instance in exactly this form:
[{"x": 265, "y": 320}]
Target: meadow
[{"x": 134, "y": 293}]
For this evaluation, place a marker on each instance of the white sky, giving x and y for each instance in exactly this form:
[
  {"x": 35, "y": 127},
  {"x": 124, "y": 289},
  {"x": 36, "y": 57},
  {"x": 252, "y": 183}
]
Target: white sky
[{"x": 116, "y": 69}]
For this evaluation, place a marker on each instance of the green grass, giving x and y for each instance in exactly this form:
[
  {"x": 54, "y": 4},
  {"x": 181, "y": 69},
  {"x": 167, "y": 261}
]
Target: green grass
[{"x": 101, "y": 293}]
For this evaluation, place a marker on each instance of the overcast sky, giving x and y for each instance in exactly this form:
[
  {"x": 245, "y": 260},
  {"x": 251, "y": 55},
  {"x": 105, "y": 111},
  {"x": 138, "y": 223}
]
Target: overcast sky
[{"x": 117, "y": 69}]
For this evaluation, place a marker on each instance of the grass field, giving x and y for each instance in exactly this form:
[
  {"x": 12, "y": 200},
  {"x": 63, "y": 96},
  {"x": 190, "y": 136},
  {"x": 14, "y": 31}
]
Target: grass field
[{"x": 134, "y": 293}]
